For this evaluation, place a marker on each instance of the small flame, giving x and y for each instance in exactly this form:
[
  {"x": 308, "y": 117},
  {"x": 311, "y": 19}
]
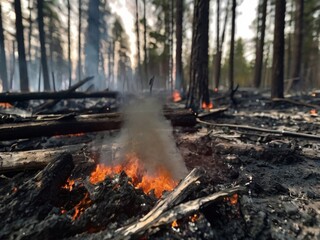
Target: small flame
[
  {"x": 313, "y": 112},
  {"x": 161, "y": 180},
  {"x": 63, "y": 211},
  {"x": 81, "y": 206},
  {"x": 176, "y": 97},
  {"x": 207, "y": 106},
  {"x": 69, "y": 184},
  {"x": 15, "y": 189},
  {"x": 194, "y": 217},
  {"x": 215, "y": 89},
  {"x": 174, "y": 224},
  {"x": 6, "y": 105},
  {"x": 234, "y": 199}
]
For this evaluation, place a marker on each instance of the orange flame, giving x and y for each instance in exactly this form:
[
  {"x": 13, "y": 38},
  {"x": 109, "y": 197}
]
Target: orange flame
[
  {"x": 216, "y": 90},
  {"x": 69, "y": 184},
  {"x": 234, "y": 199},
  {"x": 176, "y": 97},
  {"x": 313, "y": 112},
  {"x": 174, "y": 224},
  {"x": 194, "y": 217},
  {"x": 207, "y": 106},
  {"x": 5, "y": 105},
  {"x": 161, "y": 180},
  {"x": 81, "y": 206}
]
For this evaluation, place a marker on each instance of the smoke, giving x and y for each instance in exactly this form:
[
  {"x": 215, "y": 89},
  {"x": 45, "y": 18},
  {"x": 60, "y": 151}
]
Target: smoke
[{"x": 148, "y": 134}]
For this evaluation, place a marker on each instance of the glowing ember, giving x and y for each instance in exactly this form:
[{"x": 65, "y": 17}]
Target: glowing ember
[
  {"x": 215, "y": 89},
  {"x": 81, "y": 206},
  {"x": 174, "y": 224},
  {"x": 160, "y": 180},
  {"x": 194, "y": 217},
  {"x": 234, "y": 199},
  {"x": 313, "y": 112},
  {"x": 176, "y": 97},
  {"x": 69, "y": 184},
  {"x": 207, "y": 106},
  {"x": 5, "y": 105}
]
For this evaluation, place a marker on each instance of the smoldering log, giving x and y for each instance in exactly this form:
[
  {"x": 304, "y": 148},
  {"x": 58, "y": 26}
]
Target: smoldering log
[
  {"x": 81, "y": 124},
  {"x": 30, "y": 201},
  {"x": 15, "y": 97},
  {"x": 33, "y": 160}
]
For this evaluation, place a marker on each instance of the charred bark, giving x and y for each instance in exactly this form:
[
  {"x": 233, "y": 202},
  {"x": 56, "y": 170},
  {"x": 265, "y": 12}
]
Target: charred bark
[
  {"x": 277, "y": 80},
  {"x": 179, "y": 22},
  {"x": 231, "y": 57},
  {"x": 24, "y": 80}
]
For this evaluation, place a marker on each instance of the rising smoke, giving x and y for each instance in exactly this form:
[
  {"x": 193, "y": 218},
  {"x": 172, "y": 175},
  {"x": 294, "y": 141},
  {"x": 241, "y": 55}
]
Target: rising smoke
[{"x": 148, "y": 134}]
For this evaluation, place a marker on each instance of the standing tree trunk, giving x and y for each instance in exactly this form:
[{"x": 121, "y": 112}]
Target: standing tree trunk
[
  {"x": 260, "y": 45},
  {"x": 79, "y": 40},
  {"x": 30, "y": 29},
  {"x": 69, "y": 42},
  {"x": 3, "y": 59},
  {"x": 24, "y": 80},
  {"x": 179, "y": 21},
  {"x": 44, "y": 64},
  {"x": 231, "y": 58},
  {"x": 138, "y": 45},
  {"x": 145, "y": 41},
  {"x": 297, "y": 44},
  {"x": 278, "y": 51},
  {"x": 93, "y": 40},
  {"x": 198, "y": 90},
  {"x": 218, "y": 52}
]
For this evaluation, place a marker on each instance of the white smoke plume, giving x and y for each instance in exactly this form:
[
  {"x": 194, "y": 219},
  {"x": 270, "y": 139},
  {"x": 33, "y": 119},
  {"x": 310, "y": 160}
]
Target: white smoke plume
[{"x": 148, "y": 134}]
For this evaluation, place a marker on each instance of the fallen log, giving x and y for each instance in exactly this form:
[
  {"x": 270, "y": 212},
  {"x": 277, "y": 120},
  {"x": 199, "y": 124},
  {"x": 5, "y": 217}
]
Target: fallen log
[
  {"x": 33, "y": 160},
  {"x": 79, "y": 124},
  {"x": 30, "y": 201},
  {"x": 15, "y": 97},
  {"x": 53, "y": 102}
]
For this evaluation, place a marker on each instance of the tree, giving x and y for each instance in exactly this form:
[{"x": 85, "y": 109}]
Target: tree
[
  {"x": 3, "y": 59},
  {"x": 139, "y": 75},
  {"x": 260, "y": 44},
  {"x": 69, "y": 41},
  {"x": 277, "y": 80},
  {"x": 179, "y": 22},
  {"x": 44, "y": 63},
  {"x": 145, "y": 40},
  {"x": 79, "y": 39},
  {"x": 297, "y": 43},
  {"x": 198, "y": 88},
  {"x": 24, "y": 80},
  {"x": 92, "y": 40},
  {"x": 231, "y": 58}
]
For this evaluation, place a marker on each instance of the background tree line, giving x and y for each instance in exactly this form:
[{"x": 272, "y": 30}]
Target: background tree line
[{"x": 49, "y": 44}]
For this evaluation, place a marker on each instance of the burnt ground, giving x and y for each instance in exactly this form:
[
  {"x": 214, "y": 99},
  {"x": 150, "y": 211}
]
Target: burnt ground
[{"x": 282, "y": 176}]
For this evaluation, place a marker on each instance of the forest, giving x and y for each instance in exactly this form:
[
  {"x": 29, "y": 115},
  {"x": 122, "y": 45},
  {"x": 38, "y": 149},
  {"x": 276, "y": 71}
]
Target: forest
[
  {"x": 49, "y": 45},
  {"x": 159, "y": 119}
]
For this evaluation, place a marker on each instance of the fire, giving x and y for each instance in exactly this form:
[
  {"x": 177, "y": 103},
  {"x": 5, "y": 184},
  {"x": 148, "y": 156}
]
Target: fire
[
  {"x": 81, "y": 206},
  {"x": 215, "y": 89},
  {"x": 194, "y": 217},
  {"x": 5, "y": 105},
  {"x": 313, "y": 112},
  {"x": 174, "y": 224},
  {"x": 176, "y": 97},
  {"x": 234, "y": 199},
  {"x": 207, "y": 106},
  {"x": 69, "y": 184},
  {"x": 161, "y": 180}
]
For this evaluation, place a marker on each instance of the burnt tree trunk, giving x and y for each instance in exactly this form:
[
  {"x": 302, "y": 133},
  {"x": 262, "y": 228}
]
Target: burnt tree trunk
[
  {"x": 231, "y": 57},
  {"x": 145, "y": 40},
  {"x": 198, "y": 90},
  {"x": 93, "y": 39},
  {"x": 24, "y": 80},
  {"x": 297, "y": 44},
  {"x": 179, "y": 21},
  {"x": 3, "y": 59},
  {"x": 277, "y": 80},
  {"x": 69, "y": 42},
  {"x": 218, "y": 52},
  {"x": 79, "y": 39},
  {"x": 260, "y": 45},
  {"x": 138, "y": 46},
  {"x": 44, "y": 64}
]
